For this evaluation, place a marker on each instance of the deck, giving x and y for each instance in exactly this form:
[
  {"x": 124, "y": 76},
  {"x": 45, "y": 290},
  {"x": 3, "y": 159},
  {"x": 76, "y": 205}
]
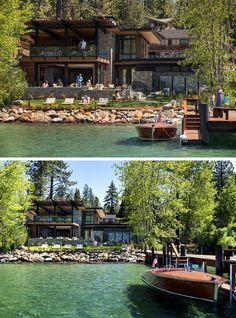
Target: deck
[{"x": 223, "y": 124}]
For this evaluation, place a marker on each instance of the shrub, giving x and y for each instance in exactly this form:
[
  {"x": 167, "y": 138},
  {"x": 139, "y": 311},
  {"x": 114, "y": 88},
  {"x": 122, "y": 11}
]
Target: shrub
[
  {"x": 51, "y": 95},
  {"x": 63, "y": 96}
]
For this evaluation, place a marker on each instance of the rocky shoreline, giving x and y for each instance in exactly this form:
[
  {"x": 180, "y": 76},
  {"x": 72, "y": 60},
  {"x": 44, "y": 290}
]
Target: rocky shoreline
[
  {"x": 16, "y": 114},
  {"x": 20, "y": 256}
]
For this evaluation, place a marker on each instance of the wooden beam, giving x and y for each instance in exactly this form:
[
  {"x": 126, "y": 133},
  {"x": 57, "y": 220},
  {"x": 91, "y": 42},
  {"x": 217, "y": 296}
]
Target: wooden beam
[
  {"x": 72, "y": 28},
  {"x": 46, "y": 30}
]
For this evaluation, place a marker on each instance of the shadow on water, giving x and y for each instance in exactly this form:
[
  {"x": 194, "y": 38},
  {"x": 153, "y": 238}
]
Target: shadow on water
[{"x": 145, "y": 302}]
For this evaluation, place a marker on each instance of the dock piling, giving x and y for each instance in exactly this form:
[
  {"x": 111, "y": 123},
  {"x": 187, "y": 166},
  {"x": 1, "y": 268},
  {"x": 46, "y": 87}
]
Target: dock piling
[
  {"x": 232, "y": 273},
  {"x": 219, "y": 260}
]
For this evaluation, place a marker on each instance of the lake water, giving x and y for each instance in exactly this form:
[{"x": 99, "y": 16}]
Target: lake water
[
  {"x": 47, "y": 140},
  {"x": 92, "y": 291}
]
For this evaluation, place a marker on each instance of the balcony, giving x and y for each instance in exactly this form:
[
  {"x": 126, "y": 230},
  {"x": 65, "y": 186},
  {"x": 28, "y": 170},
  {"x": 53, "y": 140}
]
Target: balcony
[
  {"x": 72, "y": 51},
  {"x": 56, "y": 219}
]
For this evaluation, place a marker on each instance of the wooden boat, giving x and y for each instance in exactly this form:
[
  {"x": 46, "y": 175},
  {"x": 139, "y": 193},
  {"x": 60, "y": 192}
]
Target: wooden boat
[
  {"x": 191, "y": 284},
  {"x": 158, "y": 131}
]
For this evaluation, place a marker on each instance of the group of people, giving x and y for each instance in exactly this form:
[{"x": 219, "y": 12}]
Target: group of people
[
  {"x": 219, "y": 98},
  {"x": 78, "y": 82}
]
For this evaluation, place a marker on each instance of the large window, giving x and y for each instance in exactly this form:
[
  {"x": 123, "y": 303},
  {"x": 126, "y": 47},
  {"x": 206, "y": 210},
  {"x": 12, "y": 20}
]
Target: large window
[
  {"x": 89, "y": 218},
  {"x": 127, "y": 48}
]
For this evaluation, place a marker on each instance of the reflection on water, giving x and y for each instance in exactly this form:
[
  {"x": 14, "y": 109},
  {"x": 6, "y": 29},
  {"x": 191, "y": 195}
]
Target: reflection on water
[
  {"x": 96, "y": 290},
  {"x": 70, "y": 140}
]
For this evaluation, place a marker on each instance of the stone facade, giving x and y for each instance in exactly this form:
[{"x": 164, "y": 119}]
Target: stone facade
[
  {"x": 62, "y": 92},
  {"x": 107, "y": 41}
]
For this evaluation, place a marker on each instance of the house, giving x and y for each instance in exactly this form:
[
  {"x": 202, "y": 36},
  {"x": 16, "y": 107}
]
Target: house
[
  {"x": 71, "y": 219},
  {"x": 147, "y": 58}
]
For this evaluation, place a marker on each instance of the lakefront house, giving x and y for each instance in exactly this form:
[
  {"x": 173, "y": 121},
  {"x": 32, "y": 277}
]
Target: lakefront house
[
  {"x": 71, "y": 219},
  {"x": 104, "y": 53}
]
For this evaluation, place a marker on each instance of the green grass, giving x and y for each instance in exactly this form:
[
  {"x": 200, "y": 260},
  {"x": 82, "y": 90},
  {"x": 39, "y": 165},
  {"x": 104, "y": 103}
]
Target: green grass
[
  {"x": 38, "y": 103},
  {"x": 74, "y": 249}
]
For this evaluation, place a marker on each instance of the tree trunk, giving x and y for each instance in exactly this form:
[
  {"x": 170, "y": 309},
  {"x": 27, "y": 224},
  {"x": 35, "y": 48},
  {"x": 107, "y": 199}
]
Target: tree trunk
[
  {"x": 51, "y": 188},
  {"x": 59, "y": 9}
]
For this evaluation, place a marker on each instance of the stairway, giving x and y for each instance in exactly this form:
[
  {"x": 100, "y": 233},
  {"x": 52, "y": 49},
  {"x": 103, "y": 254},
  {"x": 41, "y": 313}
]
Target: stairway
[
  {"x": 192, "y": 122},
  {"x": 180, "y": 261}
]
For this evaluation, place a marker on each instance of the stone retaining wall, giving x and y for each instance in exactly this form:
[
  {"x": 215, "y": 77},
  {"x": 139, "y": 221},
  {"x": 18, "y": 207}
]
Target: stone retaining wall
[
  {"x": 98, "y": 116},
  {"x": 19, "y": 256},
  {"x": 70, "y": 92}
]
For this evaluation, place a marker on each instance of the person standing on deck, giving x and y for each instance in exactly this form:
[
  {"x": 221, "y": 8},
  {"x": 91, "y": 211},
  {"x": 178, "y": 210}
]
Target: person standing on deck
[
  {"x": 79, "y": 80},
  {"x": 219, "y": 95}
]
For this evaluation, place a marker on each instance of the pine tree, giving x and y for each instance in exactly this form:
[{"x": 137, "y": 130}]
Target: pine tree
[
  {"x": 111, "y": 200},
  {"x": 51, "y": 179},
  {"x": 85, "y": 195},
  {"x": 77, "y": 195},
  {"x": 222, "y": 171}
]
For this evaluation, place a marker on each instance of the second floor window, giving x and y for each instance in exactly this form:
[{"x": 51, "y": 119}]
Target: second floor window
[
  {"x": 127, "y": 48},
  {"x": 89, "y": 218}
]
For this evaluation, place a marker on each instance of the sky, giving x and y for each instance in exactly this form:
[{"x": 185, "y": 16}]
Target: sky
[{"x": 96, "y": 173}]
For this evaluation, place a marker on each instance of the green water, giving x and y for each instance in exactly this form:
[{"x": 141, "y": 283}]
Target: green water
[
  {"x": 87, "y": 291},
  {"x": 47, "y": 140}
]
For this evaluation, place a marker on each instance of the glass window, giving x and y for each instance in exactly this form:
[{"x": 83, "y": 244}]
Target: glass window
[
  {"x": 179, "y": 84},
  {"x": 183, "y": 41},
  {"x": 127, "y": 47},
  {"x": 89, "y": 218},
  {"x": 165, "y": 82}
]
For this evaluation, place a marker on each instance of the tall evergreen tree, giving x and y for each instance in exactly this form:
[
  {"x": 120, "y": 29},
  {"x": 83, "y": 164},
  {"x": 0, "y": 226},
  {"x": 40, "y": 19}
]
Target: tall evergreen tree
[
  {"x": 111, "y": 200},
  {"x": 77, "y": 195},
  {"x": 222, "y": 171},
  {"x": 51, "y": 179},
  {"x": 85, "y": 195}
]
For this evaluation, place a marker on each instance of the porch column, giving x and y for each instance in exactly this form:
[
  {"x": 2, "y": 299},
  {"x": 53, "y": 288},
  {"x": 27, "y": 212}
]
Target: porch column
[{"x": 37, "y": 75}]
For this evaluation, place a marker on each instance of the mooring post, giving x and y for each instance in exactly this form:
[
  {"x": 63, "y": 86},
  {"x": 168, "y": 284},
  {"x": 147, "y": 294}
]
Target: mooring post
[
  {"x": 164, "y": 256},
  {"x": 204, "y": 116},
  {"x": 219, "y": 260},
  {"x": 183, "y": 250},
  {"x": 232, "y": 272},
  {"x": 153, "y": 253}
]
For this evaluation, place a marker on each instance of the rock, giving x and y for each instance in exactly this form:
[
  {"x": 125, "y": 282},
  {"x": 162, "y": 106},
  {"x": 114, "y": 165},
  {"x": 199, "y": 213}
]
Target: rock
[
  {"x": 9, "y": 119},
  {"x": 70, "y": 119},
  {"x": 57, "y": 120}
]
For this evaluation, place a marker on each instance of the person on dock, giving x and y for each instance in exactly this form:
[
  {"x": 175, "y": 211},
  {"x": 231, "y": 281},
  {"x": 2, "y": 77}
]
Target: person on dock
[
  {"x": 226, "y": 100},
  {"x": 219, "y": 95},
  {"x": 155, "y": 262}
]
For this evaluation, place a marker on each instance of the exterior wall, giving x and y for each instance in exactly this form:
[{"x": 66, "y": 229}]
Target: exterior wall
[
  {"x": 107, "y": 41},
  {"x": 29, "y": 70}
]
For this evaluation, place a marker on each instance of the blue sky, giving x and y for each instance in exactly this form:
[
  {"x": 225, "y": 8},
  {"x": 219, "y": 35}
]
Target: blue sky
[{"x": 97, "y": 174}]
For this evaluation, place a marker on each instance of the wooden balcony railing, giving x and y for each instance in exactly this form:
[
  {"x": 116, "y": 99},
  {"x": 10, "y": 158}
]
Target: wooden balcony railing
[
  {"x": 72, "y": 51},
  {"x": 55, "y": 219}
]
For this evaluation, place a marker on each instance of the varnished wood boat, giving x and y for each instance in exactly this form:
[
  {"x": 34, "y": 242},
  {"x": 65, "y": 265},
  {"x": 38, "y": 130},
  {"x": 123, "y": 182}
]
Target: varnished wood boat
[
  {"x": 191, "y": 284},
  {"x": 158, "y": 131}
]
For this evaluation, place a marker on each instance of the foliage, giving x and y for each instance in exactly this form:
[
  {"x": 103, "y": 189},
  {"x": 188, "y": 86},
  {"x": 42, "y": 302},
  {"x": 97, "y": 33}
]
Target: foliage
[
  {"x": 111, "y": 200},
  {"x": 222, "y": 171},
  {"x": 168, "y": 200},
  {"x": 15, "y": 199},
  {"x": 13, "y": 16},
  {"x": 77, "y": 195},
  {"x": 51, "y": 180},
  {"x": 209, "y": 24},
  {"x": 88, "y": 198}
]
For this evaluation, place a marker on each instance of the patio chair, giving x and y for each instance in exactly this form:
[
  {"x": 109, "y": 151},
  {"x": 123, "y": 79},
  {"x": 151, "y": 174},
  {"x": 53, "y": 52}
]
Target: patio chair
[
  {"x": 50, "y": 101},
  {"x": 56, "y": 246},
  {"x": 69, "y": 101},
  {"x": 79, "y": 246},
  {"x": 44, "y": 245},
  {"x": 67, "y": 246},
  {"x": 102, "y": 102}
]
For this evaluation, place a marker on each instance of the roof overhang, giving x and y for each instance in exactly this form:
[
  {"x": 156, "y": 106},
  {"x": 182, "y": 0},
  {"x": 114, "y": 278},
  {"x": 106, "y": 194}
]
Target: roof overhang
[{"x": 150, "y": 36}]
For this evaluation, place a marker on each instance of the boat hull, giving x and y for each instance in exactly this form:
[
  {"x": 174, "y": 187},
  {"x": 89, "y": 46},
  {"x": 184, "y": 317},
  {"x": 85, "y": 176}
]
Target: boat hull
[
  {"x": 159, "y": 131},
  {"x": 195, "y": 285}
]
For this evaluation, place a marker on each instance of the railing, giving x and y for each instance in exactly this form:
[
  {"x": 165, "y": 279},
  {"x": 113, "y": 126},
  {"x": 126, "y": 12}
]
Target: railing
[
  {"x": 72, "y": 51},
  {"x": 166, "y": 55},
  {"x": 56, "y": 219},
  {"x": 156, "y": 47}
]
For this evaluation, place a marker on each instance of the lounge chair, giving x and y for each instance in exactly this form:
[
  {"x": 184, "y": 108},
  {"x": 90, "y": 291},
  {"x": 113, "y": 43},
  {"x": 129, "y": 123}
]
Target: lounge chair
[
  {"x": 79, "y": 246},
  {"x": 85, "y": 100},
  {"x": 69, "y": 101},
  {"x": 50, "y": 101},
  {"x": 44, "y": 246},
  {"x": 56, "y": 246},
  {"x": 67, "y": 246},
  {"x": 102, "y": 102}
]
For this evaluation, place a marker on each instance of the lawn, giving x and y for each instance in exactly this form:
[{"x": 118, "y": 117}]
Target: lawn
[{"x": 38, "y": 103}]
